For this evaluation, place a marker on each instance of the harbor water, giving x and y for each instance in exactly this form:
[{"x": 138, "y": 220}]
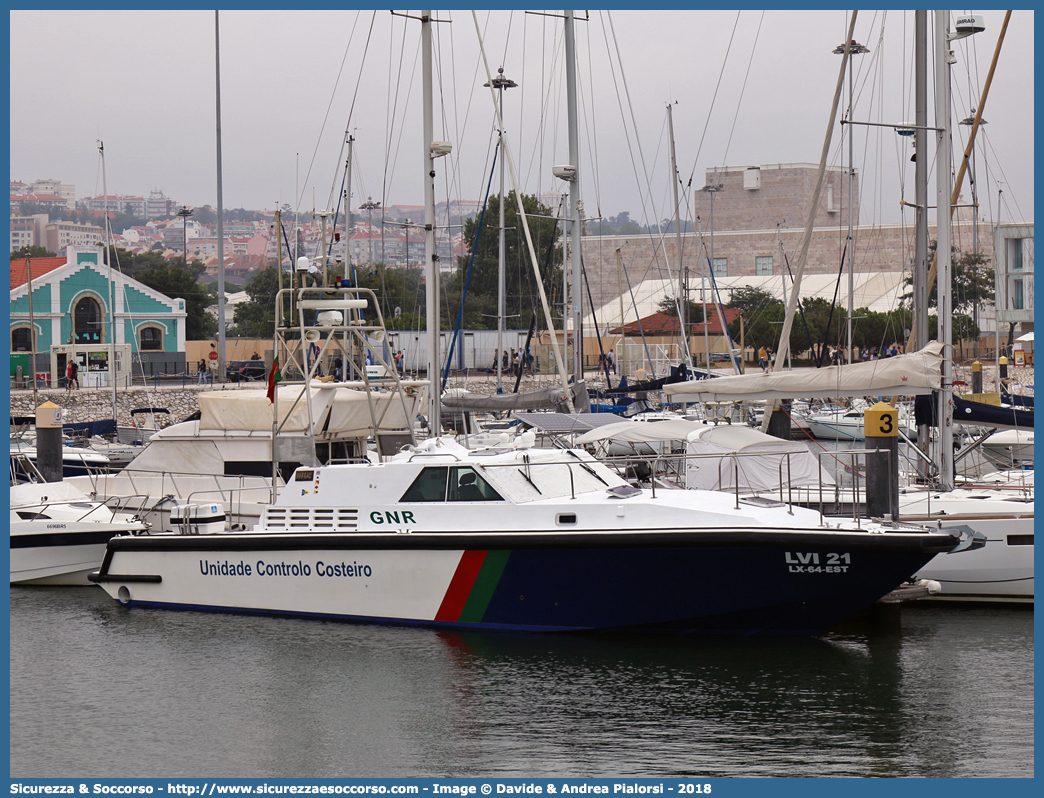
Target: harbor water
[{"x": 103, "y": 691}]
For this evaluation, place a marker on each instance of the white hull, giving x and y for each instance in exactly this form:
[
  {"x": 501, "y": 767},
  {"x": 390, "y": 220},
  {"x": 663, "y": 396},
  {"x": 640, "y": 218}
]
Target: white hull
[
  {"x": 532, "y": 540},
  {"x": 1009, "y": 448},
  {"x": 49, "y": 562},
  {"x": 58, "y": 535},
  {"x": 840, "y": 428},
  {"x": 1001, "y": 571}
]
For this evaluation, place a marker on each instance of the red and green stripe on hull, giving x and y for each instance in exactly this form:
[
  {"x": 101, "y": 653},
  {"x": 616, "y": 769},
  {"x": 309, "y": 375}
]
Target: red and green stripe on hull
[{"x": 471, "y": 589}]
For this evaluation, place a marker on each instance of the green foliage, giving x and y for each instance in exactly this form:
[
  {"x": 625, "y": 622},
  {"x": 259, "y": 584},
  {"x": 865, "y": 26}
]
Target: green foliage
[
  {"x": 694, "y": 315},
  {"x": 973, "y": 281},
  {"x": 256, "y": 318},
  {"x": 401, "y": 287},
  {"x": 173, "y": 279},
  {"x": 31, "y": 251},
  {"x": 758, "y": 309},
  {"x": 520, "y": 290}
]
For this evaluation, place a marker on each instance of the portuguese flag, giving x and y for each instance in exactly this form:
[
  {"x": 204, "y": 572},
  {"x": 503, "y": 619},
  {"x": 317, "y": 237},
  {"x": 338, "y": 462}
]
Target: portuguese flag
[{"x": 274, "y": 377}]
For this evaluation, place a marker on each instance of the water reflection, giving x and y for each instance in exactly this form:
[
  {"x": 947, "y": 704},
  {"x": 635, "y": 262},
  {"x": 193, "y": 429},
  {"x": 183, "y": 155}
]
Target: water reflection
[{"x": 199, "y": 694}]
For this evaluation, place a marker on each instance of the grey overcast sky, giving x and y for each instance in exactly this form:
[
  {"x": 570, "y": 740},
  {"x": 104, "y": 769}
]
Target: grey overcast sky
[{"x": 750, "y": 88}]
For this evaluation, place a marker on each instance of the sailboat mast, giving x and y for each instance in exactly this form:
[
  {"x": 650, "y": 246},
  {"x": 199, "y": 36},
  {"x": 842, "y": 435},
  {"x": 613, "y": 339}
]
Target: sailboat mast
[
  {"x": 682, "y": 294},
  {"x": 431, "y": 272},
  {"x": 112, "y": 285},
  {"x": 574, "y": 194},
  {"x": 920, "y": 270},
  {"x": 220, "y": 206},
  {"x": 942, "y": 251}
]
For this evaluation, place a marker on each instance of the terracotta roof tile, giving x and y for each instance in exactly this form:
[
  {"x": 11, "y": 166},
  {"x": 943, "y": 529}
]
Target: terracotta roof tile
[{"x": 20, "y": 268}]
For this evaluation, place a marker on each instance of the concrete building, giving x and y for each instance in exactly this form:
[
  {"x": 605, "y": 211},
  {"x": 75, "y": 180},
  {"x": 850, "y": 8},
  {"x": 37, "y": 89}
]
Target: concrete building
[
  {"x": 28, "y": 231},
  {"x": 759, "y": 215},
  {"x": 159, "y": 206},
  {"x": 1013, "y": 268},
  {"x": 60, "y": 235},
  {"x": 66, "y": 191}
]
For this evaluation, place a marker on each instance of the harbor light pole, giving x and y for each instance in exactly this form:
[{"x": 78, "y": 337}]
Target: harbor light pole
[
  {"x": 500, "y": 83},
  {"x": 185, "y": 213},
  {"x": 369, "y": 206}
]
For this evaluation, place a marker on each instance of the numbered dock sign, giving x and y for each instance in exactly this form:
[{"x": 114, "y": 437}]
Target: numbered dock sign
[{"x": 881, "y": 421}]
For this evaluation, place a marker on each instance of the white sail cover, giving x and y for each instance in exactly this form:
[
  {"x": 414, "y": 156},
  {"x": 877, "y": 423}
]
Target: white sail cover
[
  {"x": 904, "y": 375},
  {"x": 761, "y": 462}
]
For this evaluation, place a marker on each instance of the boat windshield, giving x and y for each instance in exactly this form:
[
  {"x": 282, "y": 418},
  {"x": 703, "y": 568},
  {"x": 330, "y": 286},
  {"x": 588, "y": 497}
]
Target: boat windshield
[{"x": 526, "y": 481}]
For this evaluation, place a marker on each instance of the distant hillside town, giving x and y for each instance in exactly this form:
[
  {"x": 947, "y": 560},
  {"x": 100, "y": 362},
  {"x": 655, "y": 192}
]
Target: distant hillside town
[{"x": 745, "y": 233}]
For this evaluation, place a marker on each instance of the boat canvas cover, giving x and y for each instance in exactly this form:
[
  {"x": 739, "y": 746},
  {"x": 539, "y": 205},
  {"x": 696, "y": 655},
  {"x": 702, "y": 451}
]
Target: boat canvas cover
[
  {"x": 32, "y": 494},
  {"x": 544, "y": 398},
  {"x": 757, "y": 465},
  {"x": 350, "y": 412},
  {"x": 903, "y": 375},
  {"x": 173, "y": 456},
  {"x": 643, "y": 431},
  {"x": 251, "y": 409}
]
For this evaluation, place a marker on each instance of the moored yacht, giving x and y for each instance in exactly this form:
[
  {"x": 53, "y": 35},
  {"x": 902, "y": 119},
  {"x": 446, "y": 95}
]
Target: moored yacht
[
  {"x": 58, "y": 534},
  {"x": 524, "y": 539}
]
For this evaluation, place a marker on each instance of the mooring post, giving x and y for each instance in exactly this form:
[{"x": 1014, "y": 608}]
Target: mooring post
[
  {"x": 49, "y": 441},
  {"x": 881, "y": 432}
]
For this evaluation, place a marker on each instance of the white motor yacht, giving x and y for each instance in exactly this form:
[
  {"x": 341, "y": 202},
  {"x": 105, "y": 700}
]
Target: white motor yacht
[
  {"x": 58, "y": 534},
  {"x": 525, "y": 539}
]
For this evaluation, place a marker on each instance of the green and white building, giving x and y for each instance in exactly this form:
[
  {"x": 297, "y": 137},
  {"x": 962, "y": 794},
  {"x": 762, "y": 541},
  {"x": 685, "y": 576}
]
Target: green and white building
[{"x": 78, "y": 310}]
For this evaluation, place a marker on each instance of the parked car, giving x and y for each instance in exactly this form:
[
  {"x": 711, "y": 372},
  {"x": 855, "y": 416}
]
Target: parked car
[
  {"x": 719, "y": 357},
  {"x": 246, "y": 371}
]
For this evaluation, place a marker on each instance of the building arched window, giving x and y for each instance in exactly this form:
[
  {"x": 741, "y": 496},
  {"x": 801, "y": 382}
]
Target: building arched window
[
  {"x": 21, "y": 339},
  {"x": 150, "y": 339},
  {"x": 87, "y": 321}
]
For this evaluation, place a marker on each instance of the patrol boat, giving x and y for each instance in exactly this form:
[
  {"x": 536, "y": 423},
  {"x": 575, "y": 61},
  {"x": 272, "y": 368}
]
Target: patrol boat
[{"x": 516, "y": 538}]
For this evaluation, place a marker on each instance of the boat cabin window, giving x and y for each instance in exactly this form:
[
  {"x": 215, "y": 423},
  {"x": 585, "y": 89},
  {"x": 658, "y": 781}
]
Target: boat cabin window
[
  {"x": 455, "y": 484},
  {"x": 429, "y": 486},
  {"x": 467, "y": 485}
]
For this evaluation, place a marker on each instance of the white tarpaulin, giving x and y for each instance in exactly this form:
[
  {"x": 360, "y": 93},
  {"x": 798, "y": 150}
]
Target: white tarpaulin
[
  {"x": 760, "y": 462},
  {"x": 347, "y": 409},
  {"x": 904, "y": 375},
  {"x": 643, "y": 431},
  {"x": 350, "y": 412},
  {"x": 252, "y": 410}
]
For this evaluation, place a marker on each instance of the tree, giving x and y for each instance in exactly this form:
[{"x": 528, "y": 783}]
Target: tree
[
  {"x": 694, "y": 312},
  {"x": 972, "y": 281},
  {"x": 256, "y": 318},
  {"x": 521, "y": 295},
  {"x": 31, "y": 251},
  {"x": 759, "y": 310},
  {"x": 174, "y": 279}
]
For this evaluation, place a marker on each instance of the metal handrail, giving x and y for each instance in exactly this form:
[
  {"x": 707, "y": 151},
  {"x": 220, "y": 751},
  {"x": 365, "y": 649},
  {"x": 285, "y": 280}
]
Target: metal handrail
[{"x": 433, "y": 454}]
